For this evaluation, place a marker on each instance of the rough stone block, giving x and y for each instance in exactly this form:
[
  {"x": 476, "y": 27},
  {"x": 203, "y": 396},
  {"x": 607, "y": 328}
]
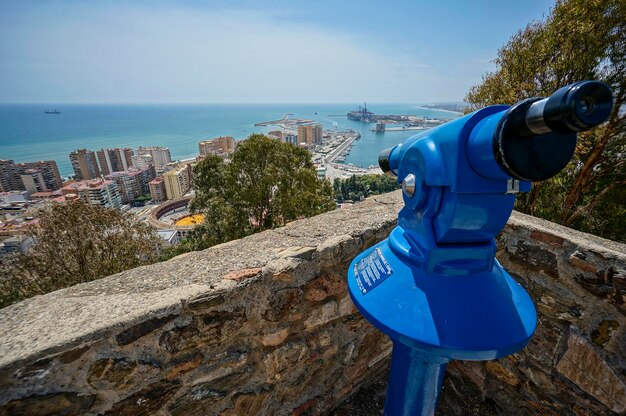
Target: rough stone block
[
  {"x": 111, "y": 372},
  {"x": 184, "y": 365},
  {"x": 246, "y": 404},
  {"x": 180, "y": 338},
  {"x": 305, "y": 253},
  {"x": 202, "y": 398},
  {"x": 67, "y": 404},
  {"x": 584, "y": 367},
  {"x": 346, "y": 306},
  {"x": 275, "y": 338},
  {"x": 145, "y": 402},
  {"x": 324, "y": 286},
  {"x": 284, "y": 358},
  {"x": 35, "y": 370},
  {"x": 502, "y": 373},
  {"x": 534, "y": 258},
  {"x": 243, "y": 274},
  {"x": 604, "y": 331},
  {"x": 73, "y": 354},
  {"x": 221, "y": 367},
  {"x": 577, "y": 259},
  {"x": 206, "y": 301},
  {"x": 141, "y": 329},
  {"x": 550, "y": 239},
  {"x": 282, "y": 303},
  {"x": 320, "y": 316}
]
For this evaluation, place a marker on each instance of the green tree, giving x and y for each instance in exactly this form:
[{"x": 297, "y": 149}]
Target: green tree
[
  {"x": 266, "y": 184},
  {"x": 578, "y": 40},
  {"x": 355, "y": 187},
  {"x": 75, "y": 243},
  {"x": 15, "y": 281},
  {"x": 217, "y": 198}
]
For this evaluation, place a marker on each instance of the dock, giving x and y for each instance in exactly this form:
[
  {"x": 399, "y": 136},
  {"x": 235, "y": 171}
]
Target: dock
[
  {"x": 285, "y": 122},
  {"x": 403, "y": 128},
  {"x": 341, "y": 148},
  {"x": 269, "y": 123}
]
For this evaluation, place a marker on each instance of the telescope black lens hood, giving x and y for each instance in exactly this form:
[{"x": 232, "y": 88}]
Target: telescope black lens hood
[{"x": 529, "y": 157}]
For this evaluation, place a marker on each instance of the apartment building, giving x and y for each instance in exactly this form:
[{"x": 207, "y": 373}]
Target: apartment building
[
  {"x": 160, "y": 156},
  {"x": 33, "y": 181},
  {"x": 157, "y": 189},
  {"x": 141, "y": 161},
  {"x": 133, "y": 183},
  {"x": 310, "y": 134},
  {"x": 114, "y": 160},
  {"x": 48, "y": 169},
  {"x": 84, "y": 164},
  {"x": 95, "y": 192},
  {"x": 291, "y": 138},
  {"x": 10, "y": 176},
  {"x": 177, "y": 181},
  {"x": 220, "y": 146}
]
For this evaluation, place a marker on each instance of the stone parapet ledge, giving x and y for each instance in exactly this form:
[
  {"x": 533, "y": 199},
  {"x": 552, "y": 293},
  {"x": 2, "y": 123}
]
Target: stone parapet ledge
[
  {"x": 261, "y": 325},
  {"x": 264, "y": 325}
]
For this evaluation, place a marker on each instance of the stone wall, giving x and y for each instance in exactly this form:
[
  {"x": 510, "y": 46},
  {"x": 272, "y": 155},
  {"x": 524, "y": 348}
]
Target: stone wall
[
  {"x": 264, "y": 325},
  {"x": 576, "y": 361}
]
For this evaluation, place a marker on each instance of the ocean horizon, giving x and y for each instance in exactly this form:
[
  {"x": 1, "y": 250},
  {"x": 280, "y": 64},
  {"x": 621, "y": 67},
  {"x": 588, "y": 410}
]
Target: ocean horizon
[{"x": 28, "y": 134}]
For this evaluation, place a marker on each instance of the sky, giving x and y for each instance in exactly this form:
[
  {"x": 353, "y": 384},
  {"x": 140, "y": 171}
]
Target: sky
[{"x": 278, "y": 51}]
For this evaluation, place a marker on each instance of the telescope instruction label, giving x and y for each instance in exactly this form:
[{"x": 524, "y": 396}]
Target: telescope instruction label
[{"x": 371, "y": 271}]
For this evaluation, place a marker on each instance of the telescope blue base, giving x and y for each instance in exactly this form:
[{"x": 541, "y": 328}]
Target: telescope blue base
[
  {"x": 436, "y": 308},
  {"x": 414, "y": 382}
]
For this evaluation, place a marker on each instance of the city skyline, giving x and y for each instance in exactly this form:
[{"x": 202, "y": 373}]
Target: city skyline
[{"x": 243, "y": 52}]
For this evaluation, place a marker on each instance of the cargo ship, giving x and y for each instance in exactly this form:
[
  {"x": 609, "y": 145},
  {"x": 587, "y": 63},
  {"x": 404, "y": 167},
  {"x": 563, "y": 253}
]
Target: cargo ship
[
  {"x": 362, "y": 114},
  {"x": 52, "y": 112}
]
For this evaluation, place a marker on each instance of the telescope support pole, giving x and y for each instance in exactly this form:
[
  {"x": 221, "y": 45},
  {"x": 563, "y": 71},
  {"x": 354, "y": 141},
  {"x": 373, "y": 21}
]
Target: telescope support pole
[{"x": 414, "y": 382}]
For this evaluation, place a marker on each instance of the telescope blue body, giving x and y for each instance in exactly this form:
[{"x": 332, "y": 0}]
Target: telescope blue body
[{"x": 434, "y": 286}]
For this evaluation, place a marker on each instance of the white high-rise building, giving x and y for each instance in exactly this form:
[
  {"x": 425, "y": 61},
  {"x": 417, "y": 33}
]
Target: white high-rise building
[{"x": 142, "y": 161}]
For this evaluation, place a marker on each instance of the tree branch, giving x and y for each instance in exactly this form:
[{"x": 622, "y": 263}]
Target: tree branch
[{"x": 594, "y": 201}]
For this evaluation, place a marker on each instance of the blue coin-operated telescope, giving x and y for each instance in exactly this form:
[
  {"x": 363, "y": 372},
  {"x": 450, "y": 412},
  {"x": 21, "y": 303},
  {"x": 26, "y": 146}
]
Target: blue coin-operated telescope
[{"x": 434, "y": 286}]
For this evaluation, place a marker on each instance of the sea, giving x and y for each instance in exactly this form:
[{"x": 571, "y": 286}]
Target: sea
[{"x": 28, "y": 134}]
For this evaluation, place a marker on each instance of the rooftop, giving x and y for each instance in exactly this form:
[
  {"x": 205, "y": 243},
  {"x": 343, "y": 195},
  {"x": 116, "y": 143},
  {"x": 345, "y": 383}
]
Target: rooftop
[
  {"x": 47, "y": 195},
  {"x": 177, "y": 170},
  {"x": 129, "y": 171},
  {"x": 86, "y": 185},
  {"x": 166, "y": 234}
]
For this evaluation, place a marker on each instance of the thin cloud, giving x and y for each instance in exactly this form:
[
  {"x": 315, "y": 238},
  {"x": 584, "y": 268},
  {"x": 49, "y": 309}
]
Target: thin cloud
[{"x": 118, "y": 52}]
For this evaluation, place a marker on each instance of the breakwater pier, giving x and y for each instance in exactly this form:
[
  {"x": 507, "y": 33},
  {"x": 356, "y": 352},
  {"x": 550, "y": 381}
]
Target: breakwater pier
[{"x": 285, "y": 122}]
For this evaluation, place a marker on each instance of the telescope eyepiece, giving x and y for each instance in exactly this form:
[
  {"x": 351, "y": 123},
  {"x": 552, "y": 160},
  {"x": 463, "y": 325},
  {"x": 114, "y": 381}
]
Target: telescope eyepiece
[
  {"x": 536, "y": 138},
  {"x": 573, "y": 108}
]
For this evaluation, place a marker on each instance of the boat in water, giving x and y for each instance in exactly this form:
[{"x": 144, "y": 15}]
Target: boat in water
[{"x": 52, "y": 112}]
